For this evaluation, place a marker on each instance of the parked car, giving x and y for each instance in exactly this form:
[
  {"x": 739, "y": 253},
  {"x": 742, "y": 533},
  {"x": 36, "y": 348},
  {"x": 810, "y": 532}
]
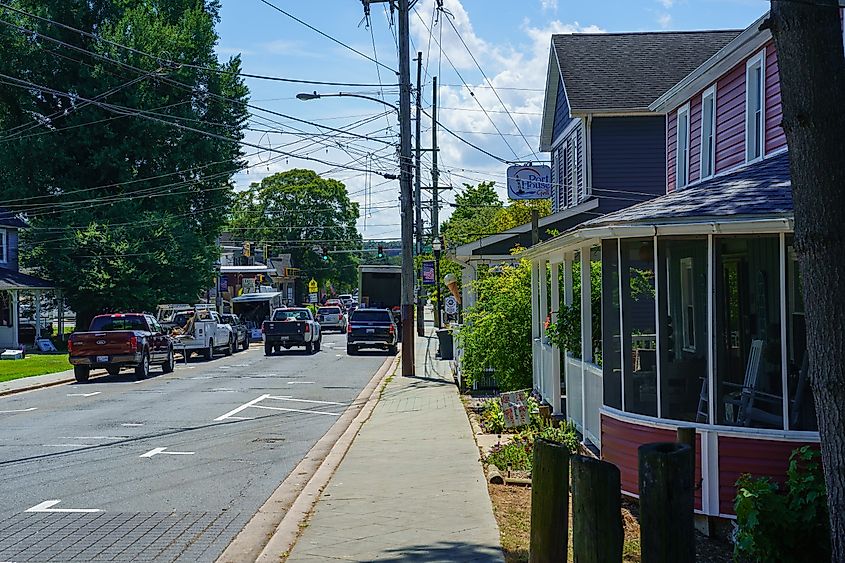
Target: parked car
[
  {"x": 371, "y": 328},
  {"x": 335, "y": 303},
  {"x": 291, "y": 327},
  {"x": 331, "y": 318},
  {"x": 242, "y": 332},
  {"x": 198, "y": 329},
  {"x": 346, "y": 299},
  {"x": 117, "y": 341}
]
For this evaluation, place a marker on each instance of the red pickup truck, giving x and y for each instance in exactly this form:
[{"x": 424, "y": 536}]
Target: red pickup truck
[{"x": 131, "y": 340}]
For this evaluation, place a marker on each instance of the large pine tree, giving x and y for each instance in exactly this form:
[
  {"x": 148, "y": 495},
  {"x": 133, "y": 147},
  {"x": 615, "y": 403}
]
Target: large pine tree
[{"x": 124, "y": 210}]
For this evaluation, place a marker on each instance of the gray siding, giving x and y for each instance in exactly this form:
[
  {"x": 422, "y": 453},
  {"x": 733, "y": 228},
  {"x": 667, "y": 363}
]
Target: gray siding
[{"x": 627, "y": 159}]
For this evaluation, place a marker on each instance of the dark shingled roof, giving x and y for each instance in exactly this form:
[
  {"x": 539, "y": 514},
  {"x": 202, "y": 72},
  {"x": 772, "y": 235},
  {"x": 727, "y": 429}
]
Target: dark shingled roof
[
  {"x": 756, "y": 190},
  {"x": 630, "y": 70},
  {"x": 10, "y": 279},
  {"x": 9, "y": 219}
]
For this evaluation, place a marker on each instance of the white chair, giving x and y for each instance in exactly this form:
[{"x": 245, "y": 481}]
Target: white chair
[{"x": 744, "y": 398}]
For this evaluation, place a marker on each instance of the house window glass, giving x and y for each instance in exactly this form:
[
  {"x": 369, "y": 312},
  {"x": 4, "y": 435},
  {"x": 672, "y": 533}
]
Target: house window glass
[
  {"x": 748, "y": 387},
  {"x": 754, "y": 110},
  {"x": 801, "y": 406},
  {"x": 682, "y": 307},
  {"x": 708, "y": 133},
  {"x": 610, "y": 324},
  {"x": 639, "y": 355},
  {"x": 682, "y": 157}
]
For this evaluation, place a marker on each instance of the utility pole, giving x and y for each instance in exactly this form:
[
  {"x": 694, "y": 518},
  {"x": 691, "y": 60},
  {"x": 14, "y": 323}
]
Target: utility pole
[
  {"x": 407, "y": 196},
  {"x": 418, "y": 201},
  {"x": 435, "y": 201}
]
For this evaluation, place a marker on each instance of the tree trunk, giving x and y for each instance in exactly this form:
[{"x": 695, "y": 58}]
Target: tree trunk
[{"x": 808, "y": 38}]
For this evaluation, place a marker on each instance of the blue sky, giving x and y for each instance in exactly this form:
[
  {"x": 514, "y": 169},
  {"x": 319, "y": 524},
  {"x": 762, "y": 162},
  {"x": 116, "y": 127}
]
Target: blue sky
[{"x": 509, "y": 40}]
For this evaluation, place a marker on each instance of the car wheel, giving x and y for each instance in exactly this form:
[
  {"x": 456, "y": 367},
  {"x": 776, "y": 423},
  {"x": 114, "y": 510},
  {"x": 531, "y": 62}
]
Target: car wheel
[
  {"x": 246, "y": 342},
  {"x": 113, "y": 370},
  {"x": 143, "y": 369},
  {"x": 268, "y": 349},
  {"x": 318, "y": 344},
  {"x": 351, "y": 350},
  {"x": 81, "y": 373},
  {"x": 230, "y": 348},
  {"x": 309, "y": 348},
  {"x": 209, "y": 352},
  {"x": 392, "y": 350},
  {"x": 169, "y": 363}
]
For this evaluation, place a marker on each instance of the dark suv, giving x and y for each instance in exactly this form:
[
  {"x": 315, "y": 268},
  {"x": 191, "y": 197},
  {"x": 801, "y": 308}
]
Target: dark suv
[{"x": 371, "y": 328}]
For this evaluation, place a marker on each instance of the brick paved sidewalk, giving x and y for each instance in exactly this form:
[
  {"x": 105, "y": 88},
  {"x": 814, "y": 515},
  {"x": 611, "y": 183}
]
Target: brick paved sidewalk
[{"x": 411, "y": 487}]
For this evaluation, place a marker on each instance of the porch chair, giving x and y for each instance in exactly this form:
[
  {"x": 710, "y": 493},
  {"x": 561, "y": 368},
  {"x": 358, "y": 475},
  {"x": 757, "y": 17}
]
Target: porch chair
[
  {"x": 744, "y": 399},
  {"x": 756, "y": 414}
]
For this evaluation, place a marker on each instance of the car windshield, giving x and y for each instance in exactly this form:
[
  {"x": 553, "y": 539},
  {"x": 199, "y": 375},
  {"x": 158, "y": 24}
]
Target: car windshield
[
  {"x": 229, "y": 319},
  {"x": 131, "y": 322},
  {"x": 291, "y": 315},
  {"x": 328, "y": 311},
  {"x": 370, "y": 315}
]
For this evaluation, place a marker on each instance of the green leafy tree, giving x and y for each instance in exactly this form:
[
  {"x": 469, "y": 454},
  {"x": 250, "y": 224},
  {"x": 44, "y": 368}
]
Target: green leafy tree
[
  {"x": 125, "y": 209},
  {"x": 518, "y": 212},
  {"x": 497, "y": 330},
  {"x": 476, "y": 207},
  {"x": 299, "y": 212}
]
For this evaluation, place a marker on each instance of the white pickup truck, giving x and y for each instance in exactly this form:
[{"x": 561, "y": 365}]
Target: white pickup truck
[{"x": 197, "y": 328}]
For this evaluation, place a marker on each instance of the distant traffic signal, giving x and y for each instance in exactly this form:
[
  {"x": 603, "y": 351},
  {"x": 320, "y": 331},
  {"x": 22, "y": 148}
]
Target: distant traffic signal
[
  {"x": 325, "y": 255},
  {"x": 380, "y": 253},
  {"x": 247, "y": 249}
]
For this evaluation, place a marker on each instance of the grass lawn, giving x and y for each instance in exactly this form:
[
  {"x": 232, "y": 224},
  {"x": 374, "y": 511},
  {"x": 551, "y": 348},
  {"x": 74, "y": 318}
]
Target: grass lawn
[{"x": 33, "y": 364}]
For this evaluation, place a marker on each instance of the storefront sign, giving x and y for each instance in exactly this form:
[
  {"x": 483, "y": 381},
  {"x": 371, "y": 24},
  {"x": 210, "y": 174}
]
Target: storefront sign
[{"x": 529, "y": 182}]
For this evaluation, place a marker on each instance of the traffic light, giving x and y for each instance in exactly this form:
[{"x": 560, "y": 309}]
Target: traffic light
[
  {"x": 247, "y": 248},
  {"x": 380, "y": 253},
  {"x": 325, "y": 255}
]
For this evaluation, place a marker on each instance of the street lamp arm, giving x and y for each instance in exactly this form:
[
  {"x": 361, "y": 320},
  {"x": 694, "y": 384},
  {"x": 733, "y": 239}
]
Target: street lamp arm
[{"x": 313, "y": 96}]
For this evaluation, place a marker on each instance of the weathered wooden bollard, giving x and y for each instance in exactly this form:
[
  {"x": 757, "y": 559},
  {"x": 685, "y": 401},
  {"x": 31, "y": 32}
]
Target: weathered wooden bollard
[
  {"x": 667, "y": 528},
  {"x": 549, "y": 503},
  {"x": 597, "y": 533}
]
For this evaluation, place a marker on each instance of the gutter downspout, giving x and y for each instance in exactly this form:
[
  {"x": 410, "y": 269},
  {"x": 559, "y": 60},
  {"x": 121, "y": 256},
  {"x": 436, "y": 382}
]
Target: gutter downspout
[{"x": 588, "y": 155}]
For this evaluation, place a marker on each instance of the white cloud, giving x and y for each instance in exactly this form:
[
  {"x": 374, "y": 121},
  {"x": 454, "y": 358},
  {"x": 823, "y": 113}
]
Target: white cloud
[
  {"x": 664, "y": 19},
  {"x": 549, "y": 5},
  {"x": 667, "y": 3}
]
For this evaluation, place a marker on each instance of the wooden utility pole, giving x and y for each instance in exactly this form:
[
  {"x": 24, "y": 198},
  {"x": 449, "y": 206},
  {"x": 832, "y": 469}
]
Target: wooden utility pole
[
  {"x": 435, "y": 199},
  {"x": 418, "y": 200},
  {"x": 808, "y": 38}
]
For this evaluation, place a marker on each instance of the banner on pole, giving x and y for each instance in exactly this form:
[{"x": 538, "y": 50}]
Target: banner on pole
[{"x": 428, "y": 272}]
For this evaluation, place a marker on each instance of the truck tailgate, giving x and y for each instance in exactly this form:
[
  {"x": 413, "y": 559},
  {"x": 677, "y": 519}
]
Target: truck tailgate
[
  {"x": 112, "y": 343},
  {"x": 284, "y": 328},
  {"x": 370, "y": 330}
]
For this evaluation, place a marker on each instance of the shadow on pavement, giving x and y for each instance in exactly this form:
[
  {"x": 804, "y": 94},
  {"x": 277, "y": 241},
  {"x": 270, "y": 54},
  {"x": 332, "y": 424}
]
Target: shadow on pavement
[{"x": 443, "y": 551}]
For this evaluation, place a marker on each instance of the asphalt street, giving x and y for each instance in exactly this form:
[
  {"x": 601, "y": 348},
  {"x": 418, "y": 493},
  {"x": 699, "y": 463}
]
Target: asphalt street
[{"x": 169, "y": 468}]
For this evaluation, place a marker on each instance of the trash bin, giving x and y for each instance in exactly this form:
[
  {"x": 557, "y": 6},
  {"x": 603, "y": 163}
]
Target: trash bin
[{"x": 444, "y": 336}]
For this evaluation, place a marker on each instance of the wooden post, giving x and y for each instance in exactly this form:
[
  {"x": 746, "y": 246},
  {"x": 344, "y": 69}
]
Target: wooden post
[
  {"x": 667, "y": 527},
  {"x": 597, "y": 533},
  {"x": 549, "y": 503}
]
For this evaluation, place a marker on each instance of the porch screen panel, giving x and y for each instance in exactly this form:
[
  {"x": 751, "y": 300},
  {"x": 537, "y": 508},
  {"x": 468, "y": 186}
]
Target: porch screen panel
[
  {"x": 801, "y": 406},
  {"x": 682, "y": 271},
  {"x": 749, "y": 391},
  {"x": 639, "y": 355},
  {"x": 611, "y": 330}
]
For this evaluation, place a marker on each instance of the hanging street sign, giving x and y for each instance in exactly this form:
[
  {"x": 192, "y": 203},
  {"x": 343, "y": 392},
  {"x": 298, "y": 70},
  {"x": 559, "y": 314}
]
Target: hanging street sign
[
  {"x": 428, "y": 272},
  {"x": 529, "y": 181}
]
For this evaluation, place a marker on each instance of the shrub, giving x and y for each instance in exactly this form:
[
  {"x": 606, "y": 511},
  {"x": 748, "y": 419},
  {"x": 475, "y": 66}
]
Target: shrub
[
  {"x": 516, "y": 454},
  {"x": 492, "y": 418},
  {"x": 564, "y": 434},
  {"x": 784, "y": 525}
]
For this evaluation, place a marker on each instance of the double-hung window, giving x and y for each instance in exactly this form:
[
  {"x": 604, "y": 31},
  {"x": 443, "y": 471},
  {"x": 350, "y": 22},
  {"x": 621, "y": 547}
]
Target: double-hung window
[
  {"x": 682, "y": 154},
  {"x": 708, "y": 132},
  {"x": 688, "y": 304},
  {"x": 754, "y": 85}
]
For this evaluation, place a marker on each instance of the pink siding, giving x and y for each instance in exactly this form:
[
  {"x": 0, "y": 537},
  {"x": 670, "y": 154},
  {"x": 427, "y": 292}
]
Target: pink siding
[
  {"x": 695, "y": 138},
  {"x": 775, "y": 137},
  {"x": 730, "y": 118},
  {"x": 620, "y": 441},
  {"x": 671, "y": 147}
]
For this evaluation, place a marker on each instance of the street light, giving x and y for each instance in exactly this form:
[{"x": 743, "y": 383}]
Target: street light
[
  {"x": 406, "y": 194},
  {"x": 437, "y": 246}
]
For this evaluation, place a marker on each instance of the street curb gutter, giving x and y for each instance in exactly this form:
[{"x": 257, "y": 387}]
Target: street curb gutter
[
  {"x": 34, "y": 387},
  {"x": 274, "y": 529}
]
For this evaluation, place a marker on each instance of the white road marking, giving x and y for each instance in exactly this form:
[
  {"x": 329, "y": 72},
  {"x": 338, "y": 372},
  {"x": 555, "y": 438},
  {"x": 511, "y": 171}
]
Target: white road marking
[
  {"x": 339, "y": 355},
  {"x": 93, "y": 437},
  {"x": 47, "y": 504},
  {"x": 224, "y": 389},
  {"x": 240, "y": 408},
  {"x": 300, "y": 383},
  {"x": 132, "y": 424},
  {"x": 156, "y": 451},
  {"x": 202, "y": 377},
  {"x": 19, "y": 410},
  {"x": 241, "y": 418},
  {"x": 285, "y": 398},
  {"x": 296, "y": 410},
  {"x": 68, "y": 445},
  {"x": 83, "y": 394}
]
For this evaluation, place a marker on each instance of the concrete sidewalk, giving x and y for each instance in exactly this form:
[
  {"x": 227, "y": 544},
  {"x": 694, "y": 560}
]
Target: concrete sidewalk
[{"x": 411, "y": 487}]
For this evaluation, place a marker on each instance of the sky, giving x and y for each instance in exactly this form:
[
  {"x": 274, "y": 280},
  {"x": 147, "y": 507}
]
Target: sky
[{"x": 490, "y": 58}]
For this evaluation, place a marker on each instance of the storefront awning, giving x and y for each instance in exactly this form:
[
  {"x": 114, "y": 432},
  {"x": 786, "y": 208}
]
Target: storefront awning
[{"x": 10, "y": 279}]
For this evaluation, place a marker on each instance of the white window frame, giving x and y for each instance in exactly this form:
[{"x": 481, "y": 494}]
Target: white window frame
[
  {"x": 683, "y": 113},
  {"x": 4, "y": 246},
  {"x": 711, "y": 94},
  {"x": 757, "y": 60},
  {"x": 688, "y": 303}
]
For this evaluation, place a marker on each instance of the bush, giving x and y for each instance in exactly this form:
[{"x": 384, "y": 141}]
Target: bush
[
  {"x": 492, "y": 418},
  {"x": 784, "y": 525},
  {"x": 518, "y": 453}
]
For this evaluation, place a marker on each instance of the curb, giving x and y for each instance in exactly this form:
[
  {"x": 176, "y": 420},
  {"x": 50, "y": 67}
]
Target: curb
[
  {"x": 36, "y": 386},
  {"x": 275, "y": 527}
]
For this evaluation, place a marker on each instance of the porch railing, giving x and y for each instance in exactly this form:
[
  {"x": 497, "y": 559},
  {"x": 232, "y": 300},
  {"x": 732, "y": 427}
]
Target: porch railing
[{"x": 584, "y": 397}]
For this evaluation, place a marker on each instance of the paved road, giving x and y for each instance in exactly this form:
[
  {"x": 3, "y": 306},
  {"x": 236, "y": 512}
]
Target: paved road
[{"x": 166, "y": 469}]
